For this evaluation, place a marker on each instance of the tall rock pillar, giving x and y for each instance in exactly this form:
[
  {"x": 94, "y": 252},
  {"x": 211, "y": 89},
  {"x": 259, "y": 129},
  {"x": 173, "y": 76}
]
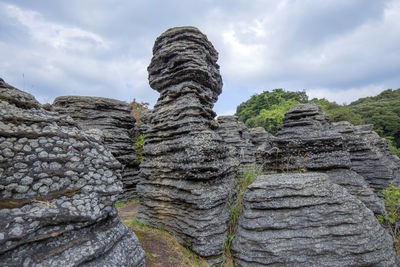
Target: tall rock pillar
[{"x": 186, "y": 178}]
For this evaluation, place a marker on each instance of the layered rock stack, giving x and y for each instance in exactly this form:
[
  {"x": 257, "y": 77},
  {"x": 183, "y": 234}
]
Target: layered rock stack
[
  {"x": 370, "y": 155},
  {"x": 117, "y": 125},
  {"x": 306, "y": 142},
  {"x": 186, "y": 177},
  {"x": 237, "y": 137},
  {"x": 305, "y": 220},
  {"x": 58, "y": 185}
]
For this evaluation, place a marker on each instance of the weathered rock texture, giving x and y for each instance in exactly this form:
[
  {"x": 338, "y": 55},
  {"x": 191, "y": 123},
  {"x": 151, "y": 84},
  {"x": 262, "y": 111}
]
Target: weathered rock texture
[
  {"x": 369, "y": 154},
  {"x": 117, "y": 125},
  {"x": 186, "y": 177},
  {"x": 306, "y": 142},
  {"x": 237, "y": 137},
  {"x": 57, "y": 189},
  {"x": 305, "y": 220}
]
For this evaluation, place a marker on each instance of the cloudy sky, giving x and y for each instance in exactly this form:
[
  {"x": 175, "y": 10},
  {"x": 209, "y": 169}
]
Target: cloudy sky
[{"x": 337, "y": 49}]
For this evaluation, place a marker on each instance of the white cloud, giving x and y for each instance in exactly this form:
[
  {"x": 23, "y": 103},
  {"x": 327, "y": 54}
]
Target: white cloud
[{"x": 53, "y": 34}]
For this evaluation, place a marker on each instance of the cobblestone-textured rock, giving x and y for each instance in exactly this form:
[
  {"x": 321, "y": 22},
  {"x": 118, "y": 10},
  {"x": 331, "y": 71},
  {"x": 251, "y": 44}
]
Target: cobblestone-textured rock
[
  {"x": 186, "y": 177},
  {"x": 117, "y": 125},
  {"x": 305, "y": 220},
  {"x": 57, "y": 189}
]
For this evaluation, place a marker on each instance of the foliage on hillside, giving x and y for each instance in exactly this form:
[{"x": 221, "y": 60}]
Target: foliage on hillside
[
  {"x": 267, "y": 109},
  {"x": 383, "y": 111}
]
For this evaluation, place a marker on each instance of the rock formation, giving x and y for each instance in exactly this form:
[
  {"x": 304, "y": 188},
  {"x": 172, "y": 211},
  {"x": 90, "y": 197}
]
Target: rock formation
[
  {"x": 114, "y": 119},
  {"x": 370, "y": 155},
  {"x": 58, "y": 185},
  {"x": 186, "y": 177},
  {"x": 306, "y": 142},
  {"x": 237, "y": 137},
  {"x": 305, "y": 220}
]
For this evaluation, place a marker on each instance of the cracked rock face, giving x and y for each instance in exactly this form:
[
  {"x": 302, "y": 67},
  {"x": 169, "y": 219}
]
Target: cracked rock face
[
  {"x": 304, "y": 219},
  {"x": 186, "y": 177},
  {"x": 113, "y": 118},
  {"x": 57, "y": 189}
]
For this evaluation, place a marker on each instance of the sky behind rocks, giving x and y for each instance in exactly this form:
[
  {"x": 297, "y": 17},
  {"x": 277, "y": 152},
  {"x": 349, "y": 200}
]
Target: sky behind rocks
[{"x": 337, "y": 49}]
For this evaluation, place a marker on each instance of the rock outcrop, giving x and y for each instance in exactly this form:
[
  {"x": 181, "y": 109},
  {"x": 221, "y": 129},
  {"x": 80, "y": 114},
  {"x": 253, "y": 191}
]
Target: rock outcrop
[
  {"x": 306, "y": 220},
  {"x": 306, "y": 142},
  {"x": 369, "y": 154},
  {"x": 58, "y": 185},
  {"x": 117, "y": 125},
  {"x": 237, "y": 137},
  {"x": 186, "y": 177}
]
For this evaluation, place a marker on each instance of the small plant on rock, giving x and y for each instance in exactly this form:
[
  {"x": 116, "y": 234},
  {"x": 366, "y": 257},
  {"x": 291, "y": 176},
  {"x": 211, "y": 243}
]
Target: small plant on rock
[
  {"x": 246, "y": 176},
  {"x": 391, "y": 199}
]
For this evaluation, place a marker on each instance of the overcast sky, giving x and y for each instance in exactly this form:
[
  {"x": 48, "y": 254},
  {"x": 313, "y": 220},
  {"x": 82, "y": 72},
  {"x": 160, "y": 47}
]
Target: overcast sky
[{"x": 337, "y": 49}]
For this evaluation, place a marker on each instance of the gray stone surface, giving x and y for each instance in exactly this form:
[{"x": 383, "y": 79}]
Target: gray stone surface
[
  {"x": 186, "y": 177},
  {"x": 58, "y": 185},
  {"x": 306, "y": 141},
  {"x": 297, "y": 219},
  {"x": 237, "y": 137},
  {"x": 117, "y": 125},
  {"x": 369, "y": 154}
]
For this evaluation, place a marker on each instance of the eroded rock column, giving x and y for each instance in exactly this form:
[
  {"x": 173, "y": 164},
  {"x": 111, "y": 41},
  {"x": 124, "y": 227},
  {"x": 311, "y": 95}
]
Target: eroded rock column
[{"x": 186, "y": 177}]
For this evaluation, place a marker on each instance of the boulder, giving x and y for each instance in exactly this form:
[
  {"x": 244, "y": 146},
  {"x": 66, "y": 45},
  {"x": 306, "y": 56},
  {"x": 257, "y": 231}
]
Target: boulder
[
  {"x": 303, "y": 219},
  {"x": 117, "y": 125},
  {"x": 186, "y": 177},
  {"x": 58, "y": 185}
]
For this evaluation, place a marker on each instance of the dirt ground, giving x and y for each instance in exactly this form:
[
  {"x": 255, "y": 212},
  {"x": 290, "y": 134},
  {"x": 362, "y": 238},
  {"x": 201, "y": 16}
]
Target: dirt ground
[{"x": 160, "y": 247}]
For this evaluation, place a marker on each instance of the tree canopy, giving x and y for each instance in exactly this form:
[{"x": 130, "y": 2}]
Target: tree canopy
[{"x": 383, "y": 111}]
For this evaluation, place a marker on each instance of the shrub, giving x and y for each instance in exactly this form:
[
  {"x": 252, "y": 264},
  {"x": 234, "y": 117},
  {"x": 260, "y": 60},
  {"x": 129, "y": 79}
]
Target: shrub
[{"x": 391, "y": 199}]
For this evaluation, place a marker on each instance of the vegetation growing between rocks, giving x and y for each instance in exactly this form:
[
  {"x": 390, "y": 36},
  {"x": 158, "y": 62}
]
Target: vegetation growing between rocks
[
  {"x": 161, "y": 248},
  {"x": 138, "y": 144},
  {"x": 383, "y": 111},
  {"x": 138, "y": 109},
  {"x": 246, "y": 176},
  {"x": 391, "y": 199}
]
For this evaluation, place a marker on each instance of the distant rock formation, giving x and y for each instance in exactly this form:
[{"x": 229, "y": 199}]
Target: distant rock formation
[
  {"x": 58, "y": 185},
  {"x": 186, "y": 177},
  {"x": 114, "y": 119},
  {"x": 237, "y": 137},
  {"x": 299, "y": 219},
  {"x": 306, "y": 142}
]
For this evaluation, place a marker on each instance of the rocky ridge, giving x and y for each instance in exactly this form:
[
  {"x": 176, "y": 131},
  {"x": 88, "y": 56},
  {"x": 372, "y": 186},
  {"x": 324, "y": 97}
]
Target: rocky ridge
[
  {"x": 58, "y": 185},
  {"x": 186, "y": 177},
  {"x": 117, "y": 125}
]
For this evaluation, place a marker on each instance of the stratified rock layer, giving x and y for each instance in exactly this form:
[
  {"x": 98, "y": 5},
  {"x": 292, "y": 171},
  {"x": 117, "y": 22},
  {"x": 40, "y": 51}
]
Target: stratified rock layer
[
  {"x": 186, "y": 177},
  {"x": 58, "y": 185},
  {"x": 237, "y": 137},
  {"x": 370, "y": 155},
  {"x": 305, "y": 220},
  {"x": 117, "y": 125},
  {"x": 306, "y": 142}
]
